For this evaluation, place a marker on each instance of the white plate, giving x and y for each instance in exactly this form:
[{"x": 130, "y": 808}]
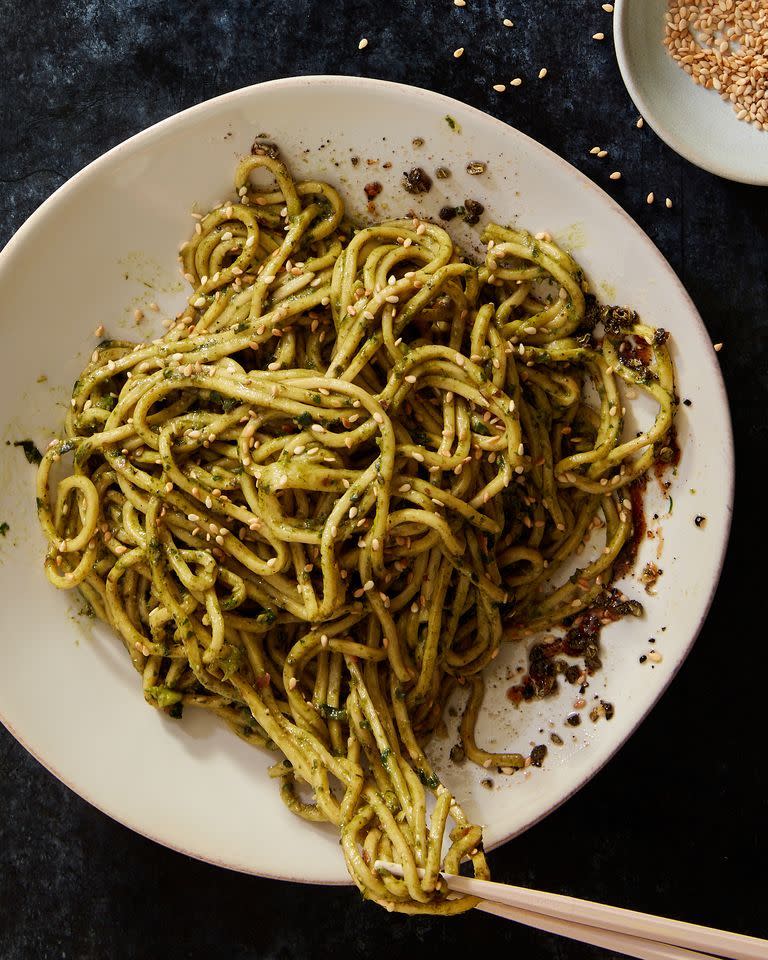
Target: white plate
[
  {"x": 106, "y": 243},
  {"x": 695, "y": 122}
]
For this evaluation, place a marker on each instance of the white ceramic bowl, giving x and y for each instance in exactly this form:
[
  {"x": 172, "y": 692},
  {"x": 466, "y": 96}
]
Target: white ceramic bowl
[
  {"x": 695, "y": 122},
  {"x": 106, "y": 243}
]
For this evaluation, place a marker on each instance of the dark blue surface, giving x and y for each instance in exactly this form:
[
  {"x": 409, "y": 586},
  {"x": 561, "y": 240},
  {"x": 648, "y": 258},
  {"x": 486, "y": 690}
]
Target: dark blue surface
[{"x": 676, "y": 823}]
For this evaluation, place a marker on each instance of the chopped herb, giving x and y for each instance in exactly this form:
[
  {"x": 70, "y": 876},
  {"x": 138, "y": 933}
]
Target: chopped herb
[
  {"x": 431, "y": 783},
  {"x": 31, "y": 452},
  {"x": 333, "y": 713}
]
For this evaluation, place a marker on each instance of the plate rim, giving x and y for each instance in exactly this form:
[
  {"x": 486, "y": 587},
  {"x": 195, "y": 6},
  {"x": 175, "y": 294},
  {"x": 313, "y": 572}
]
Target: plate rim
[
  {"x": 698, "y": 327},
  {"x": 680, "y": 145}
]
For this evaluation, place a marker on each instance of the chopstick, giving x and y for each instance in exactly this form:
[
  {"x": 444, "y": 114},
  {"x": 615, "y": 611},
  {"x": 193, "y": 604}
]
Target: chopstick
[
  {"x": 625, "y": 931},
  {"x": 608, "y": 939}
]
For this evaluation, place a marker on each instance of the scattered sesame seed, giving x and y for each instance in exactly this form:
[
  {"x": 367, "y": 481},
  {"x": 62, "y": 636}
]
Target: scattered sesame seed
[
  {"x": 718, "y": 347},
  {"x": 668, "y": 203},
  {"x": 516, "y": 82},
  {"x": 459, "y": 3},
  {"x": 602, "y": 153},
  {"x": 99, "y": 331},
  {"x": 650, "y": 198},
  {"x": 598, "y": 36},
  {"x": 542, "y": 73},
  {"x": 499, "y": 87},
  {"x": 458, "y": 52},
  {"x": 640, "y": 123},
  {"x": 507, "y": 22},
  {"x": 608, "y": 7},
  {"x": 615, "y": 175},
  {"x": 363, "y": 44}
]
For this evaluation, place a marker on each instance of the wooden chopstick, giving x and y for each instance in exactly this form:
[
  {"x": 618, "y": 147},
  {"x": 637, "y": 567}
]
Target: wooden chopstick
[
  {"x": 607, "y": 939},
  {"x": 590, "y": 916}
]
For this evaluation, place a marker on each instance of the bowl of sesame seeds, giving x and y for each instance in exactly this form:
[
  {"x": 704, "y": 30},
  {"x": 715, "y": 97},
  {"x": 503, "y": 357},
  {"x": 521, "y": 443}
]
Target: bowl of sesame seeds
[{"x": 698, "y": 74}]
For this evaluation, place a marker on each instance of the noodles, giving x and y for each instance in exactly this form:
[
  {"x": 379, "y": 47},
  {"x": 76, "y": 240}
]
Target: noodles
[{"x": 352, "y": 467}]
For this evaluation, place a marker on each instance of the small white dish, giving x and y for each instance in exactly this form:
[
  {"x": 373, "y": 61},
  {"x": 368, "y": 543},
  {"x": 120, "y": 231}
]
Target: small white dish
[
  {"x": 105, "y": 244},
  {"x": 694, "y": 122}
]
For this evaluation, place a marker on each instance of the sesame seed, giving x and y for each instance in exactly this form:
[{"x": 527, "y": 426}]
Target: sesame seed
[
  {"x": 668, "y": 203},
  {"x": 352, "y": 513},
  {"x": 608, "y": 7},
  {"x": 640, "y": 123},
  {"x": 602, "y": 153},
  {"x": 368, "y": 585},
  {"x": 363, "y": 44},
  {"x": 718, "y": 347},
  {"x": 516, "y": 82},
  {"x": 99, "y": 331},
  {"x": 507, "y": 22},
  {"x": 542, "y": 73},
  {"x": 655, "y": 657},
  {"x": 615, "y": 175},
  {"x": 459, "y": 3},
  {"x": 458, "y": 52},
  {"x": 598, "y": 36},
  {"x": 499, "y": 87},
  {"x": 650, "y": 198}
]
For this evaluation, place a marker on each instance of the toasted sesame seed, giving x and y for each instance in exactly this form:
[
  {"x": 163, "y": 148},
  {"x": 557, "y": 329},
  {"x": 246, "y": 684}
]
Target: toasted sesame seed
[
  {"x": 458, "y": 52},
  {"x": 368, "y": 585},
  {"x": 615, "y": 175},
  {"x": 459, "y": 3},
  {"x": 363, "y": 44},
  {"x": 668, "y": 203},
  {"x": 507, "y": 22},
  {"x": 516, "y": 82},
  {"x": 499, "y": 87},
  {"x": 640, "y": 123},
  {"x": 655, "y": 657},
  {"x": 608, "y": 7},
  {"x": 99, "y": 331},
  {"x": 602, "y": 153},
  {"x": 542, "y": 73},
  {"x": 718, "y": 347},
  {"x": 650, "y": 198},
  {"x": 598, "y": 36}
]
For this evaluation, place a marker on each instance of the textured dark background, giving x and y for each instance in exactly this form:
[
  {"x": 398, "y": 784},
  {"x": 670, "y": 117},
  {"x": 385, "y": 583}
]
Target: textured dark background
[{"x": 676, "y": 821}]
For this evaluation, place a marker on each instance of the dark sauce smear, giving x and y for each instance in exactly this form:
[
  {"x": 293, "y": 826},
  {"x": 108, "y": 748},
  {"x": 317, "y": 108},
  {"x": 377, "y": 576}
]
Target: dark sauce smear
[
  {"x": 626, "y": 558},
  {"x": 581, "y": 639}
]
